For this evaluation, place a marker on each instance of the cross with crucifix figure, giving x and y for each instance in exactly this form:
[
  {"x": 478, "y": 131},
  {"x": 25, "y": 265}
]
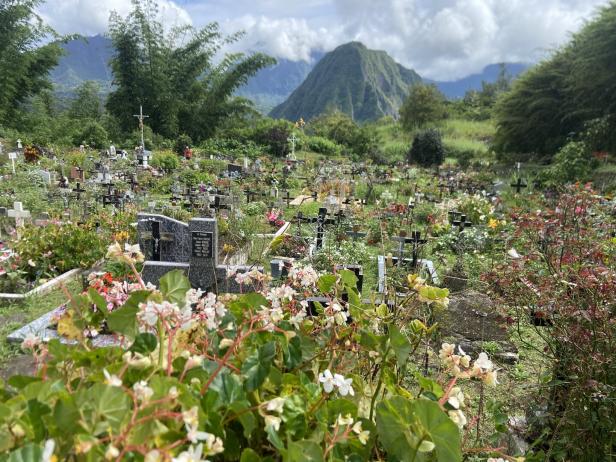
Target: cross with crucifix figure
[
  {"x": 141, "y": 117},
  {"x": 157, "y": 239},
  {"x": 79, "y": 190},
  {"x": 518, "y": 185}
]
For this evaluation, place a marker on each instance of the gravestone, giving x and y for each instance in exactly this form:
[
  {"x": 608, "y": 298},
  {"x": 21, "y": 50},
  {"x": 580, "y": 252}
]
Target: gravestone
[
  {"x": 190, "y": 247},
  {"x": 19, "y": 214},
  {"x": 44, "y": 175}
]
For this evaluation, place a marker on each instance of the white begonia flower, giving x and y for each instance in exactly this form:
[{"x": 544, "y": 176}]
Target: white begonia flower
[
  {"x": 173, "y": 393},
  {"x": 111, "y": 453},
  {"x": 192, "y": 455},
  {"x": 194, "y": 361},
  {"x": 142, "y": 391},
  {"x": 362, "y": 435},
  {"x": 191, "y": 417},
  {"x": 225, "y": 343},
  {"x": 513, "y": 253},
  {"x": 490, "y": 378},
  {"x": 30, "y": 342},
  {"x": 133, "y": 252},
  {"x": 483, "y": 362},
  {"x": 153, "y": 456},
  {"x": 48, "y": 449},
  {"x": 344, "y": 421},
  {"x": 458, "y": 417},
  {"x": 344, "y": 385},
  {"x": 275, "y": 405},
  {"x": 327, "y": 379},
  {"x": 273, "y": 422},
  {"x": 112, "y": 380},
  {"x": 213, "y": 445},
  {"x": 194, "y": 435}
]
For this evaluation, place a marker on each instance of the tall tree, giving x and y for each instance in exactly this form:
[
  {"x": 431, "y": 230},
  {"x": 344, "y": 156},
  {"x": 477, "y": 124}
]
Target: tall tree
[
  {"x": 87, "y": 102},
  {"x": 24, "y": 63},
  {"x": 424, "y": 104},
  {"x": 562, "y": 96},
  {"x": 173, "y": 76}
]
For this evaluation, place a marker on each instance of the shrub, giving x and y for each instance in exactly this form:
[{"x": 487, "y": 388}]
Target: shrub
[
  {"x": 427, "y": 148},
  {"x": 182, "y": 141},
  {"x": 166, "y": 161},
  {"x": 324, "y": 146},
  {"x": 93, "y": 134},
  {"x": 573, "y": 162}
]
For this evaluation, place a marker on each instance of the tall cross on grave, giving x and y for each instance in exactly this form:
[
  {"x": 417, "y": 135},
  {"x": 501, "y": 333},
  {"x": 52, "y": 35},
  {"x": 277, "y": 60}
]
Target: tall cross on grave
[
  {"x": 157, "y": 239},
  {"x": 108, "y": 198},
  {"x": 355, "y": 234},
  {"x": 250, "y": 195},
  {"x": 218, "y": 205},
  {"x": 518, "y": 185},
  {"x": 140, "y": 117},
  {"x": 13, "y": 156},
  {"x": 78, "y": 190},
  {"x": 292, "y": 139},
  {"x": 322, "y": 220},
  {"x": 402, "y": 239},
  {"x": 417, "y": 242},
  {"x": 19, "y": 214}
]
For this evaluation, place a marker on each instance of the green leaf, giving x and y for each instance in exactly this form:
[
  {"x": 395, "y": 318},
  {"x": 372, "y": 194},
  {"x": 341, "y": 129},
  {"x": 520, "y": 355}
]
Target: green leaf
[
  {"x": 348, "y": 278},
  {"x": 400, "y": 344},
  {"x": 429, "y": 386},
  {"x": 403, "y": 425},
  {"x": 109, "y": 405},
  {"x": 326, "y": 283},
  {"x": 124, "y": 319},
  {"x": 144, "y": 343},
  {"x": 174, "y": 286},
  {"x": 257, "y": 366},
  {"x": 304, "y": 451},
  {"x": 22, "y": 381},
  {"x": 249, "y": 455},
  {"x": 29, "y": 453},
  {"x": 98, "y": 300}
]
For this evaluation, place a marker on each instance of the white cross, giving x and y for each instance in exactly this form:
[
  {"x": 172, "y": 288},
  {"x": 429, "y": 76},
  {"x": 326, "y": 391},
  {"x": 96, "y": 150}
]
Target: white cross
[
  {"x": 140, "y": 117},
  {"x": 19, "y": 214},
  {"x": 13, "y": 156},
  {"x": 1, "y": 147},
  {"x": 292, "y": 139},
  {"x": 19, "y": 146}
]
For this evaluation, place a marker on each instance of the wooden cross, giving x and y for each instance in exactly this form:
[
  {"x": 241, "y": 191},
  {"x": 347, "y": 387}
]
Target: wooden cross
[{"x": 518, "y": 186}]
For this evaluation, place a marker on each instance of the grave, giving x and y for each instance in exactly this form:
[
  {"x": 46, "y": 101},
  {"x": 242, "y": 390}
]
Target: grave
[{"x": 190, "y": 247}]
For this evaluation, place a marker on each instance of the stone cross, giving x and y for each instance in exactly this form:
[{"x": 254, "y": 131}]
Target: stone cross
[
  {"x": 18, "y": 213},
  {"x": 13, "y": 156},
  {"x": 292, "y": 139},
  {"x": 140, "y": 117}
]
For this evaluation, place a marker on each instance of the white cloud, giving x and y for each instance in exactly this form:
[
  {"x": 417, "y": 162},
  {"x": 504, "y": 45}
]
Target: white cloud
[
  {"x": 441, "y": 39},
  {"x": 91, "y": 17}
]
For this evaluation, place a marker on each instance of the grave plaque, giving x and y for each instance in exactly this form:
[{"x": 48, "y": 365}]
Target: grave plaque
[{"x": 202, "y": 244}]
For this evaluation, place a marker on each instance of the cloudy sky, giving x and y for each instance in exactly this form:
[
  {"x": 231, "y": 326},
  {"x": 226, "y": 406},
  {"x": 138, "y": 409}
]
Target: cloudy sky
[{"x": 440, "y": 39}]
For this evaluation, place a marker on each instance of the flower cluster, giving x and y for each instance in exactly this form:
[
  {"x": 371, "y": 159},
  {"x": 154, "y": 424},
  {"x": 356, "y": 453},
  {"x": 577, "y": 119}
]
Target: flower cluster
[
  {"x": 331, "y": 381},
  {"x": 304, "y": 276},
  {"x": 459, "y": 364},
  {"x": 131, "y": 253}
]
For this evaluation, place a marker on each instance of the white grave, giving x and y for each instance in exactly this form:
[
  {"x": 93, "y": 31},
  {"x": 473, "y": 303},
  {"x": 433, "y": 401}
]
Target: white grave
[{"x": 19, "y": 214}]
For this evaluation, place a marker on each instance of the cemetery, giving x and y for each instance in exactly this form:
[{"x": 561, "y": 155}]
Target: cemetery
[{"x": 231, "y": 286}]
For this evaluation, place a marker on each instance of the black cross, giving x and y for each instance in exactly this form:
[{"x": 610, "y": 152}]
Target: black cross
[
  {"x": 302, "y": 219},
  {"x": 157, "y": 239},
  {"x": 354, "y": 234},
  {"x": 79, "y": 190},
  {"x": 401, "y": 240},
  {"x": 453, "y": 215},
  {"x": 417, "y": 242},
  {"x": 287, "y": 197},
  {"x": 217, "y": 205},
  {"x": 462, "y": 223},
  {"x": 322, "y": 220},
  {"x": 250, "y": 195},
  {"x": 518, "y": 186}
]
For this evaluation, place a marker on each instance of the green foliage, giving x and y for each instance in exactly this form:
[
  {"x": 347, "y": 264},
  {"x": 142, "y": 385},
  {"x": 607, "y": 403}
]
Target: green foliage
[
  {"x": 362, "y": 83},
  {"x": 573, "y": 162},
  {"x": 427, "y": 148},
  {"x": 273, "y": 135},
  {"x": 166, "y": 161},
  {"x": 179, "y": 86},
  {"x": 24, "y": 63},
  {"x": 181, "y": 143},
  {"x": 323, "y": 146},
  {"x": 557, "y": 97},
  {"x": 230, "y": 147},
  {"x": 424, "y": 104},
  {"x": 342, "y": 130},
  {"x": 92, "y": 134},
  {"x": 87, "y": 102}
]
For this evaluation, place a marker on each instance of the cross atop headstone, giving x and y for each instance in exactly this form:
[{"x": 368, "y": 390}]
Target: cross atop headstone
[
  {"x": 157, "y": 239},
  {"x": 19, "y": 214}
]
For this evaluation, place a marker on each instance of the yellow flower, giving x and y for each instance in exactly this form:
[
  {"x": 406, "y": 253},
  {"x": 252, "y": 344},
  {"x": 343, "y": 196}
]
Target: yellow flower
[{"x": 492, "y": 223}]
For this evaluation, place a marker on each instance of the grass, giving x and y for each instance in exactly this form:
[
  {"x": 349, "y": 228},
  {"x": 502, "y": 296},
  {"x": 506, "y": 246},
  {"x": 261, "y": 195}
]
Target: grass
[{"x": 15, "y": 315}]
